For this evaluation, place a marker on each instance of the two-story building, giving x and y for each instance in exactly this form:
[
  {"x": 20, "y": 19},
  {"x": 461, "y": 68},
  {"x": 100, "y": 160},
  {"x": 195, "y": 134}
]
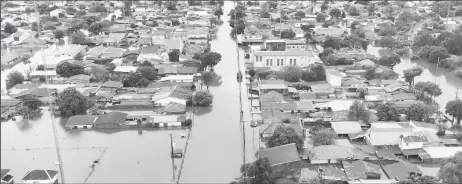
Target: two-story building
[
  {"x": 295, "y": 45},
  {"x": 275, "y": 60},
  {"x": 197, "y": 36},
  {"x": 250, "y": 35}
]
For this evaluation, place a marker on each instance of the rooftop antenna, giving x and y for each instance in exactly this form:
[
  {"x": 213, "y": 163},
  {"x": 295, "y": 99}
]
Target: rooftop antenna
[{"x": 55, "y": 132}]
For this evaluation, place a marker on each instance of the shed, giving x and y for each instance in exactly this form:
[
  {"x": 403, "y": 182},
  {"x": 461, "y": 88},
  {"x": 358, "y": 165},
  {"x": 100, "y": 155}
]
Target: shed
[
  {"x": 346, "y": 127},
  {"x": 280, "y": 154},
  {"x": 81, "y": 122}
]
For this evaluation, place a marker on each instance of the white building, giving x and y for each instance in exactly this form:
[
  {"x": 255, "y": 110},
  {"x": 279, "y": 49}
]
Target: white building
[
  {"x": 334, "y": 77},
  {"x": 178, "y": 78},
  {"x": 412, "y": 142},
  {"x": 386, "y": 136},
  {"x": 41, "y": 176},
  {"x": 278, "y": 59},
  {"x": 56, "y": 12}
]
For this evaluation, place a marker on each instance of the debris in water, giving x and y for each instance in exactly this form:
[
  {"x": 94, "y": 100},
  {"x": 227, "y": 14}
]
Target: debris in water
[
  {"x": 56, "y": 163},
  {"x": 96, "y": 161}
]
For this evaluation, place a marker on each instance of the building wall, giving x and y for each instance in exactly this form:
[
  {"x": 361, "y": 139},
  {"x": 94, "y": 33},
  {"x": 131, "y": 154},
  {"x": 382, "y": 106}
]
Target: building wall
[
  {"x": 79, "y": 126},
  {"x": 334, "y": 80},
  {"x": 295, "y": 47},
  {"x": 277, "y": 62},
  {"x": 410, "y": 145}
]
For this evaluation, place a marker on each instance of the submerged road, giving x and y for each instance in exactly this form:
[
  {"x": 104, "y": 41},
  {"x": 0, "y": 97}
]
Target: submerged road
[{"x": 143, "y": 156}]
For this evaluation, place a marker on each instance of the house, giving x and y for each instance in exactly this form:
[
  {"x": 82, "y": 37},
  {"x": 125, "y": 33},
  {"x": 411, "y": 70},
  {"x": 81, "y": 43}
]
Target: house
[
  {"x": 265, "y": 86},
  {"x": 6, "y": 177},
  {"x": 158, "y": 35},
  {"x": 177, "y": 95},
  {"x": 203, "y": 22},
  {"x": 9, "y": 58},
  {"x": 386, "y": 136},
  {"x": 346, "y": 127},
  {"x": 133, "y": 105},
  {"x": 295, "y": 45},
  {"x": 331, "y": 31},
  {"x": 281, "y": 27},
  {"x": 275, "y": 60},
  {"x": 79, "y": 79},
  {"x": 81, "y": 122},
  {"x": 173, "y": 44},
  {"x": 38, "y": 92},
  {"x": 437, "y": 154},
  {"x": 359, "y": 169},
  {"x": 178, "y": 78},
  {"x": 93, "y": 53},
  {"x": 115, "y": 40},
  {"x": 451, "y": 142},
  {"x": 168, "y": 120},
  {"x": 150, "y": 53},
  {"x": 251, "y": 35},
  {"x": 56, "y": 12},
  {"x": 124, "y": 70},
  {"x": 174, "y": 108},
  {"x": 41, "y": 176},
  {"x": 111, "y": 53},
  {"x": 280, "y": 154},
  {"x": 111, "y": 120},
  {"x": 334, "y": 77},
  {"x": 197, "y": 36},
  {"x": 176, "y": 70},
  {"x": 332, "y": 174},
  {"x": 334, "y": 154},
  {"x": 400, "y": 170},
  {"x": 271, "y": 96},
  {"x": 112, "y": 84}
]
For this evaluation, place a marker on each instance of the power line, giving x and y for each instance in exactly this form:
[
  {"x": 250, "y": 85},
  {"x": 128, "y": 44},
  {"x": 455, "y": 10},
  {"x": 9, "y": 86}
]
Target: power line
[
  {"x": 187, "y": 142},
  {"x": 50, "y": 103}
]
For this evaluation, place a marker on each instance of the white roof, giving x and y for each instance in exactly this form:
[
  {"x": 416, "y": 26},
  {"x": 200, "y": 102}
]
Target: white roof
[
  {"x": 346, "y": 127},
  {"x": 177, "y": 77},
  {"x": 165, "y": 118},
  {"x": 336, "y": 105},
  {"x": 42, "y": 73},
  {"x": 159, "y": 96},
  {"x": 442, "y": 152},
  {"x": 369, "y": 181},
  {"x": 385, "y": 125},
  {"x": 125, "y": 69},
  {"x": 386, "y": 136}
]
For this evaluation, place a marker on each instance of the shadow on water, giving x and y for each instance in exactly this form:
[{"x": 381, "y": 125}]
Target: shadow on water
[
  {"x": 450, "y": 77},
  {"x": 199, "y": 111}
]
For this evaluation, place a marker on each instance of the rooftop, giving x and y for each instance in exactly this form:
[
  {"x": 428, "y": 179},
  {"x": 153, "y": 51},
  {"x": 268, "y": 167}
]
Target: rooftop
[
  {"x": 280, "y": 154},
  {"x": 40, "y": 175}
]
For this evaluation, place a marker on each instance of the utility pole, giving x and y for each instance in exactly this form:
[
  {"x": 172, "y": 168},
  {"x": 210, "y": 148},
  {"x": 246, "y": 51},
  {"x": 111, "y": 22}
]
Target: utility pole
[{"x": 171, "y": 145}]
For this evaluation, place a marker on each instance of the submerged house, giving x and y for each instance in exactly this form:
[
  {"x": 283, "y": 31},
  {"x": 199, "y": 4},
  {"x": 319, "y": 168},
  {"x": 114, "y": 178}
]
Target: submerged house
[
  {"x": 41, "y": 176},
  {"x": 111, "y": 120},
  {"x": 81, "y": 122},
  {"x": 280, "y": 154},
  {"x": 6, "y": 177}
]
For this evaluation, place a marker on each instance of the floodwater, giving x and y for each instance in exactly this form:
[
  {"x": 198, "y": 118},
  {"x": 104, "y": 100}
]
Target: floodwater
[{"x": 214, "y": 153}]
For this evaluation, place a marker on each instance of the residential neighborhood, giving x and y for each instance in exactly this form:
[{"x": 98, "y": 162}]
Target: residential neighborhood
[{"x": 317, "y": 92}]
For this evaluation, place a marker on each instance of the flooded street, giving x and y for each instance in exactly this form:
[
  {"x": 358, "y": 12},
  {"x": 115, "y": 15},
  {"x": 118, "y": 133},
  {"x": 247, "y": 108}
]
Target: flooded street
[{"x": 214, "y": 154}]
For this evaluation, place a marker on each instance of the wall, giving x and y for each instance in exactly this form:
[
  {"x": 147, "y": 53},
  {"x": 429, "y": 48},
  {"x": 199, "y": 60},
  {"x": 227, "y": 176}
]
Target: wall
[
  {"x": 301, "y": 61},
  {"x": 410, "y": 145},
  {"x": 79, "y": 126}
]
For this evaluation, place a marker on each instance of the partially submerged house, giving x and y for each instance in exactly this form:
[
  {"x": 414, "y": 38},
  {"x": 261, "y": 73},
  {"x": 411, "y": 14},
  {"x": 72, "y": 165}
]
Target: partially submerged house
[
  {"x": 41, "y": 176},
  {"x": 280, "y": 154},
  {"x": 6, "y": 177},
  {"x": 81, "y": 122}
]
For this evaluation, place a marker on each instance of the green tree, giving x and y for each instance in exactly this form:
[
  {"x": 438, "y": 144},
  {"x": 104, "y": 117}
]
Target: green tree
[
  {"x": 218, "y": 12},
  {"x": 388, "y": 41},
  {"x": 259, "y": 171},
  {"x": 321, "y": 17},
  {"x": 454, "y": 108},
  {"x": 438, "y": 54},
  {"x": 71, "y": 10},
  {"x": 127, "y": 8},
  {"x": 207, "y": 78},
  {"x": 416, "y": 179},
  {"x": 72, "y": 102},
  {"x": 387, "y": 31},
  {"x": 201, "y": 98},
  {"x": 291, "y": 73},
  {"x": 9, "y": 28},
  {"x": 300, "y": 14},
  {"x": 314, "y": 73},
  {"x": 66, "y": 69},
  {"x": 429, "y": 88},
  {"x": 343, "y": 15},
  {"x": 59, "y": 34},
  {"x": 288, "y": 34},
  {"x": 450, "y": 171},
  {"x": 332, "y": 42},
  {"x": 14, "y": 78},
  {"x": 389, "y": 61},
  {"x": 353, "y": 11},
  {"x": 95, "y": 28},
  {"x": 135, "y": 80},
  {"x": 453, "y": 44},
  {"x": 358, "y": 111},
  {"x": 370, "y": 73},
  {"x": 371, "y": 8},
  {"x": 362, "y": 92},
  {"x": 419, "y": 111},
  {"x": 335, "y": 12},
  {"x": 387, "y": 111},
  {"x": 147, "y": 72},
  {"x": 40, "y": 68},
  {"x": 174, "y": 55},
  {"x": 78, "y": 37},
  {"x": 410, "y": 74},
  {"x": 324, "y": 7},
  {"x": 82, "y": 6},
  {"x": 324, "y": 137},
  {"x": 31, "y": 102},
  {"x": 285, "y": 135},
  {"x": 424, "y": 39},
  {"x": 210, "y": 59}
]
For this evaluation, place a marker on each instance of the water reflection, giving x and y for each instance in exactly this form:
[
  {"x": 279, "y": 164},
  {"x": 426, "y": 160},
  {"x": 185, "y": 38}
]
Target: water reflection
[{"x": 199, "y": 111}]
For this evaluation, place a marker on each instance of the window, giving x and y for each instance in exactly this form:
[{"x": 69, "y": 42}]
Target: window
[
  {"x": 261, "y": 58},
  {"x": 267, "y": 62},
  {"x": 282, "y": 61},
  {"x": 256, "y": 58},
  {"x": 271, "y": 62},
  {"x": 295, "y": 61},
  {"x": 290, "y": 61},
  {"x": 278, "y": 62}
]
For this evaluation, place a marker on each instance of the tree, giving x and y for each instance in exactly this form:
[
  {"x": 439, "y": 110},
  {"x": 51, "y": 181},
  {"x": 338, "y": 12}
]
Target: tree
[
  {"x": 72, "y": 102},
  {"x": 362, "y": 92},
  {"x": 387, "y": 31},
  {"x": 324, "y": 7},
  {"x": 410, "y": 74},
  {"x": 320, "y": 17},
  {"x": 31, "y": 102},
  {"x": 66, "y": 69},
  {"x": 127, "y": 8},
  {"x": 453, "y": 44},
  {"x": 95, "y": 28},
  {"x": 201, "y": 98},
  {"x": 424, "y": 39},
  {"x": 438, "y": 54},
  {"x": 371, "y": 8},
  {"x": 81, "y": 13},
  {"x": 177, "y": 22},
  {"x": 324, "y": 137},
  {"x": 13, "y": 79},
  {"x": 98, "y": 8},
  {"x": 332, "y": 42},
  {"x": 40, "y": 68},
  {"x": 354, "y": 24},
  {"x": 428, "y": 87},
  {"x": 210, "y": 59},
  {"x": 343, "y": 15},
  {"x": 314, "y": 73},
  {"x": 388, "y": 41},
  {"x": 300, "y": 14},
  {"x": 358, "y": 111},
  {"x": 417, "y": 179},
  {"x": 389, "y": 60},
  {"x": 450, "y": 171},
  {"x": 82, "y": 6},
  {"x": 147, "y": 72},
  {"x": 59, "y": 34},
  {"x": 387, "y": 111},
  {"x": 419, "y": 111},
  {"x": 71, "y": 11},
  {"x": 370, "y": 73},
  {"x": 218, "y": 12},
  {"x": 291, "y": 73},
  {"x": 174, "y": 55},
  {"x": 171, "y": 6},
  {"x": 353, "y": 11},
  {"x": 9, "y": 28},
  {"x": 285, "y": 135},
  {"x": 259, "y": 171},
  {"x": 335, "y": 13},
  {"x": 207, "y": 78},
  {"x": 78, "y": 37},
  {"x": 135, "y": 80},
  {"x": 441, "y": 8},
  {"x": 288, "y": 34},
  {"x": 454, "y": 108}
]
